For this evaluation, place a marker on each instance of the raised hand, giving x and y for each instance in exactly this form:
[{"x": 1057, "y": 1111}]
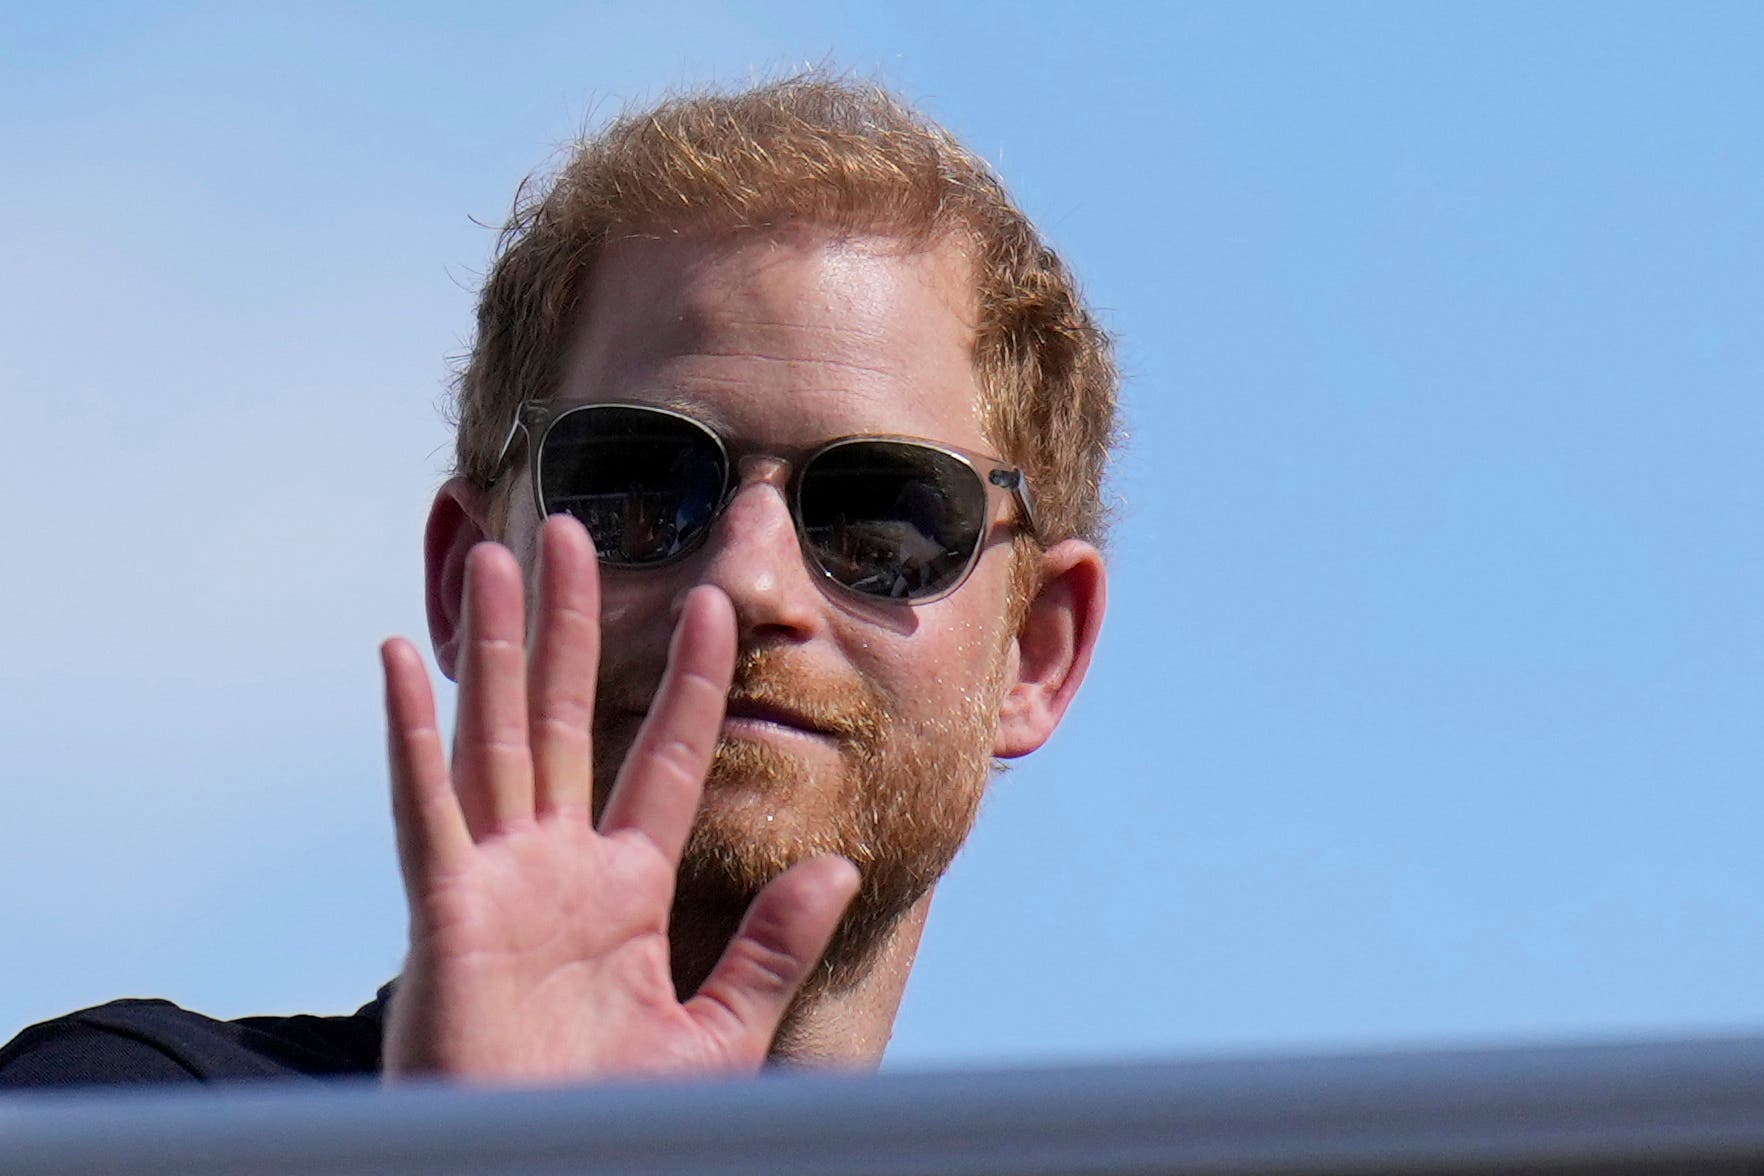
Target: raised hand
[{"x": 538, "y": 943}]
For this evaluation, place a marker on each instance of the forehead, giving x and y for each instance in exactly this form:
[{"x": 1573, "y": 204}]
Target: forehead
[{"x": 789, "y": 336}]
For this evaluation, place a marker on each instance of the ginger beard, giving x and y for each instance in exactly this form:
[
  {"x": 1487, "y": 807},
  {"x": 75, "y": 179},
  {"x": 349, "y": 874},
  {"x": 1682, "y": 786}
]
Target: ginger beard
[{"x": 899, "y": 805}]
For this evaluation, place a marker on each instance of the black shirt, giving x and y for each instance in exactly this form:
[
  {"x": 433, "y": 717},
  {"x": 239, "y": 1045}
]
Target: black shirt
[{"x": 156, "y": 1041}]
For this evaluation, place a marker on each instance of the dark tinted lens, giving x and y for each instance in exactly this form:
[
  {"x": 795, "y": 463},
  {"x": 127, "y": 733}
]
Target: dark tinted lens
[
  {"x": 892, "y": 519},
  {"x": 644, "y": 483}
]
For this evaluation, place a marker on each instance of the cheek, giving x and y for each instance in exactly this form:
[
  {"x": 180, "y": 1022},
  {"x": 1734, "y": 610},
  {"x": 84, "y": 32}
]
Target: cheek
[
  {"x": 976, "y": 646},
  {"x": 975, "y": 633},
  {"x": 637, "y": 609},
  {"x": 948, "y": 664},
  {"x": 622, "y": 614},
  {"x": 518, "y": 525}
]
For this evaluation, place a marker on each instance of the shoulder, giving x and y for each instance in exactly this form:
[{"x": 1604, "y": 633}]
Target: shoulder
[{"x": 128, "y": 1041}]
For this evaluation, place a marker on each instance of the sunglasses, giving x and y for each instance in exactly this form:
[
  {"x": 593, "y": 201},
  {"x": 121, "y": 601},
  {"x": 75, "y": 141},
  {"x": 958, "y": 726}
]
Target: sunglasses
[{"x": 886, "y": 518}]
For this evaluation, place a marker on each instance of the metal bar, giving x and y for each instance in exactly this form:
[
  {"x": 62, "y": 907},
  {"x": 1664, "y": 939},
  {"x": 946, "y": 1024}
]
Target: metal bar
[{"x": 1681, "y": 1107}]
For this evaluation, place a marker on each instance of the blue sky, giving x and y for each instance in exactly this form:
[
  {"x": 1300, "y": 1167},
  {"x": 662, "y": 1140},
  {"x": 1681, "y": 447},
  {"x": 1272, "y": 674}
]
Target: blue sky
[{"x": 1429, "y": 706}]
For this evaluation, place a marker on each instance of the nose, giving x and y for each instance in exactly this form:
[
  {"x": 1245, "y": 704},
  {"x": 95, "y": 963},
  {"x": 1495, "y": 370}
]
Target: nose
[{"x": 752, "y": 554}]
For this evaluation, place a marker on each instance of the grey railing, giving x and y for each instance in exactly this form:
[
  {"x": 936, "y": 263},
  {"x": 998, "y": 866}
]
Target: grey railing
[{"x": 1685, "y": 1107}]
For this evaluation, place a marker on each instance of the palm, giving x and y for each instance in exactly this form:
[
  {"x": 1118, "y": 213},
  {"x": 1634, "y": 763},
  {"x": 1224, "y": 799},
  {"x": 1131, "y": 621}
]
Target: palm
[
  {"x": 539, "y": 943},
  {"x": 537, "y": 930}
]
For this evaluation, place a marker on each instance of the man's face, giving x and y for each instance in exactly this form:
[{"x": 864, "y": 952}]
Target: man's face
[{"x": 858, "y": 728}]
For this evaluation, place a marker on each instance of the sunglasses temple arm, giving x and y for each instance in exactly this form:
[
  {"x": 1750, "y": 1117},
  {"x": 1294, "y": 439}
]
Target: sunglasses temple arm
[
  {"x": 1028, "y": 504},
  {"x": 1014, "y": 481},
  {"x": 527, "y": 414},
  {"x": 507, "y": 448}
]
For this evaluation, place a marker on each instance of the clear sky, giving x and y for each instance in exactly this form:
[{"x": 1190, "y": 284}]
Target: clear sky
[{"x": 1431, "y": 704}]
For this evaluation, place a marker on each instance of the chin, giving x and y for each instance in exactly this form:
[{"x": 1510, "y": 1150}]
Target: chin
[{"x": 770, "y": 807}]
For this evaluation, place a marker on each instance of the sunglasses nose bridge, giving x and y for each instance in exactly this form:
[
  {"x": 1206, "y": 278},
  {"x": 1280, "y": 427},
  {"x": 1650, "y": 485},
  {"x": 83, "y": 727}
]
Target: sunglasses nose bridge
[
  {"x": 752, "y": 547},
  {"x": 761, "y": 467}
]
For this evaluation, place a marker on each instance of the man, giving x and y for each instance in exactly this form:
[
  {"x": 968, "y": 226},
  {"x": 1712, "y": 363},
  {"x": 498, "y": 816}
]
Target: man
[{"x": 775, "y": 521}]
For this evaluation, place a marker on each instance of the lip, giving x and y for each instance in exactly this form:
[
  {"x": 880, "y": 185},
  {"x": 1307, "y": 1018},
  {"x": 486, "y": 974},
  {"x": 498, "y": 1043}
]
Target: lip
[
  {"x": 743, "y": 716},
  {"x": 763, "y": 716}
]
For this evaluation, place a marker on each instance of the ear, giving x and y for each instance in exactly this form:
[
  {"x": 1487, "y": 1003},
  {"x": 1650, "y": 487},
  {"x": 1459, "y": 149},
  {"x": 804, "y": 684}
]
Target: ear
[
  {"x": 458, "y": 521},
  {"x": 1053, "y": 648}
]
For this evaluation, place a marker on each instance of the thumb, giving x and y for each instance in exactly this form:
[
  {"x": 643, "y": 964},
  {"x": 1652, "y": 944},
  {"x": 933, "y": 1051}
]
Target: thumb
[{"x": 780, "y": 941}]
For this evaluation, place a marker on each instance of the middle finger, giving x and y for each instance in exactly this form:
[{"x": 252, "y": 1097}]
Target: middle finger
[{"x": 566, "y": 654}]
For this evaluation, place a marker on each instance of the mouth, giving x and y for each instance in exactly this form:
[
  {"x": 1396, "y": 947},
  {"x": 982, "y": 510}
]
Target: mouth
[{"x": 756, "y": 716}]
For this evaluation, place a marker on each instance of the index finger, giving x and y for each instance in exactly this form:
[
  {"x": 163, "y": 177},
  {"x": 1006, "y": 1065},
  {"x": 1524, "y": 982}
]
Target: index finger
[{"x": 662, "y": 779}]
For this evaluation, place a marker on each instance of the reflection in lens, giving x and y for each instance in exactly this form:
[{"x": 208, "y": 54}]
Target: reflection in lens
[
  {"x": 891, "y": 518},
  {"x": 645, "y": 483}
]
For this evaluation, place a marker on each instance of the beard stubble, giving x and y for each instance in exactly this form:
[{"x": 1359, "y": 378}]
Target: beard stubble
[{"x": 899, "y": 805}]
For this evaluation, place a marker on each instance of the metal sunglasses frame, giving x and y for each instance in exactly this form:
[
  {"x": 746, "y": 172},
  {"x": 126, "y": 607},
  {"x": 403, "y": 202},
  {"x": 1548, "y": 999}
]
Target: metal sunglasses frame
[{"x": 535, "y": 419}]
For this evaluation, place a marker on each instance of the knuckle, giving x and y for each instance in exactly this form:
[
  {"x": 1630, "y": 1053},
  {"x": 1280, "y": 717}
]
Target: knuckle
[
  {"x": 696, "y": 681},
  {"x": 677, "y": 756},
  {"x": 762, "y": 968},
  {"x": 491, "y": 657},
  {"x": 564, "y": 722},
  {"x": 496, "y": 751},
  {"x": 487, "y": 643},
  {"x": 564, "y": 613}
]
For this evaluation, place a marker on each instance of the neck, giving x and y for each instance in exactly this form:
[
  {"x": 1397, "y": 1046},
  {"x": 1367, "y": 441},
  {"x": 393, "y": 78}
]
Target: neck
[{"x": 850, "y": 1028}]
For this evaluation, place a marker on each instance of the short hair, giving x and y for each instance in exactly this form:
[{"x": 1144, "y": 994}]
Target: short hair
[{"x": 822, "y": 152}]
